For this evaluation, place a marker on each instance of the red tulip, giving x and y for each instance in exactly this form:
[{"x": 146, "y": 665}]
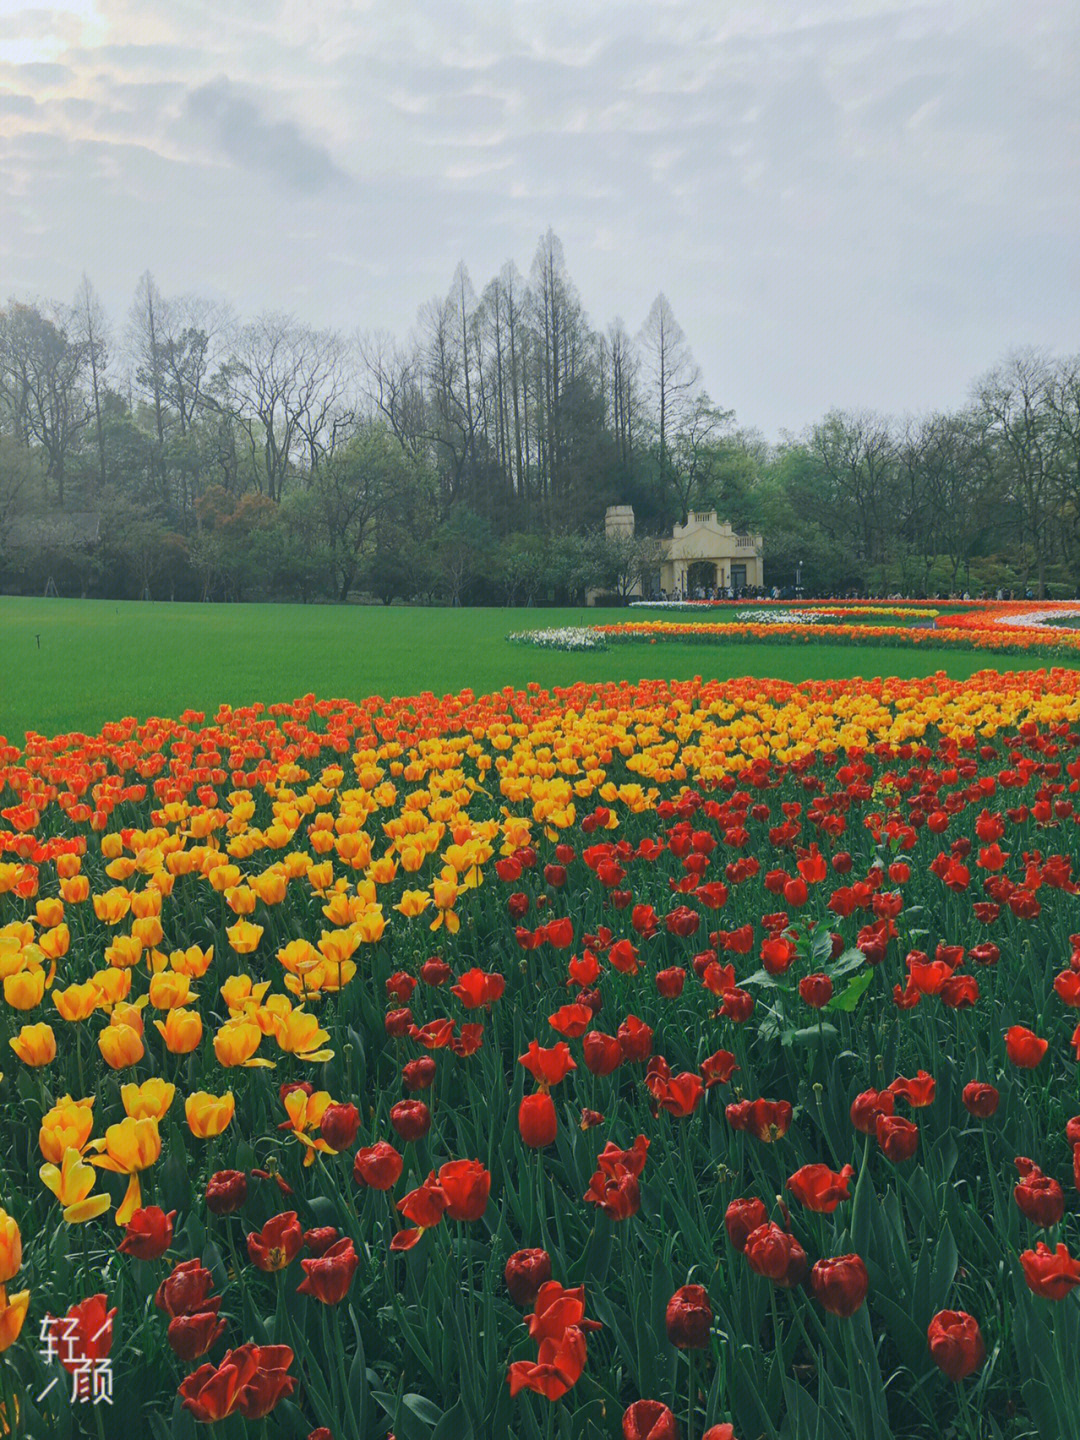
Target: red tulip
[
  {"x": 819, "y": 1188},
  {"x": 185, "y": 1290},
  {"x": 466, "y": 1185},
  {"x": 918, "y": 1092},
  {"x": 84, "y": 1333},
  {"x": 557, "y": 1369},
  {"x": 537, "y": 1121},
  {"x": 571, "y": 1020},
  {"x": 816, "y": 990},
  {"x": 603, "y": 1053},
  {"x": 670, "y": 982},
  {"x": 419, "y": 1074},
  {"x": 956, "y": 1344},
  {"x": 526, "y": 1271},
  {"x": 1023, "y": 1047},
  {"x": 249, "y": 1381},
  {"x": 226, "y": 1191},
  {"x": 688, "y": 1318},
  {"x": 980, "y": 1100},
  {"x": 776, "y": 1254},
  {"x": 649, "y": 1420},
  {"x": 327, "y": 1277},
  {"x": 742, "y": 1218},
  {"x": 319, "y": 1240},
  {"x": 898, "y": 1138},
  {"x": 717, "y": 1069},
  {"x": 1039, "y": 1196},
  {"x": 714, "y": 1432},
  {"x": 411, "y": 1119},
  {"x": 840, "y": 1284},
  {"x": 425, "y": 1207},
  {"x": 1050, "y": 1274},
  {"x": 866, "y": 1108},
  {"x": 548, "y": 1067},
  {"x": 435, "y": 971},
  {"x": 191, "y": 1336},
  {"x": 400, "y": 986},
  {"x": 148, "y": 1234},
  {"x": 377, "y": 1165},
  {"x": 635, "y": 1038},
  {"x": 339, "y": 1125},
  {"x": 479, "y": 987},
  {"x": 278, "y": 1243},
  {"x": 618, "y": 1196}
]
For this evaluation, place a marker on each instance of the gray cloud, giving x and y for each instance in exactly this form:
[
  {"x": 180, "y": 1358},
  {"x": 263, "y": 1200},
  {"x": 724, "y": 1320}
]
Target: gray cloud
[
  {"x": 859, "y": 202},
  {"x": 250, "y": 140}
]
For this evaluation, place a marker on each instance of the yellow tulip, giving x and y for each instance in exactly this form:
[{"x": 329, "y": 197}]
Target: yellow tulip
[
  {"x": 112, "y": 985},
  {"x": 222, "y": 877},
  {"x": 145, "y": 903},
  {"x": 12, "y": 1314},
  {"x": 270, "y": 886},
  {"x": 338, "y": 945},
  {"x": 305, "y": 1113},
  {"x": 321, "y": 877},
  {"x": 128, "y": 1147},
  {"x": 266, "y": 1016},
  {"x": 169, "y": 991},
  {"x": 208, "y": 1115},
  {"x": 49, "y": 912},
  {"x": 10, "y": 1248},
  {"x": 124, "y": 1014},
  {"x": 111, "y": 907},
  {"x": 71, "y": 1183},
  {"x": 75, "y": 889},
  {"x": 148, "y": 1101},
  {"x": 236, "y": 1042},
  {"x": 181, "y": 1030},
  {"x": 35, "y": 1044},
  {"x": 120, "y": 1046},
  {"x": 240, "y": 899},
  {"x": 126, "y": 950},
  {"x": 413, "y": 903},
  {"x": 77, "y": 1002},
  {"x": 298, "y": 1034},
  {"x": 69, "y": 1122},
  {"x": 298, "y": 953},
  {"x": 147, "y": 931},
  {"x": 24, "y": 989},
  {"x": 192, "y": 961},
  {"x": 244, "y": 937},
  {"x": 54, "y": 943},
  {"x": 370, "y": 925},
  {"x": 239, "y": 992}
]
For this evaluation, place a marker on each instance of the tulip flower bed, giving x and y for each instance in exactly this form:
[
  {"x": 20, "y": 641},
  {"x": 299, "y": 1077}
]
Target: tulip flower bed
[{"x": 659, "y": 1060}]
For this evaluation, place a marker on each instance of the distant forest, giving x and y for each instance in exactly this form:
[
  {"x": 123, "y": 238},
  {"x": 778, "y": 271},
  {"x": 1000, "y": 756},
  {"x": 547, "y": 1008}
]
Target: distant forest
[{"x": 192, "y": 454}]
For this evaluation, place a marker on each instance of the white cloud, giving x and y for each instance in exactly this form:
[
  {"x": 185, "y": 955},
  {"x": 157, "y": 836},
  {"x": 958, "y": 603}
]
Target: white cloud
[{"x": 847, "y": 202}]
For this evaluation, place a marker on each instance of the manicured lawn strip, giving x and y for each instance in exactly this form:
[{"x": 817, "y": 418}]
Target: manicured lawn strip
[{"x": 73, "y": 665}]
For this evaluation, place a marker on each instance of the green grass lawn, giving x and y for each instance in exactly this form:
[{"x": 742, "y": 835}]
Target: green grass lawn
[{"x": 73, "y": 664}]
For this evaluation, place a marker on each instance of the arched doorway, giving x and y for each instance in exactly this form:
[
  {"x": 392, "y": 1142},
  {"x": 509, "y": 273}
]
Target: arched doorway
[{"x": 700, "y": 575}]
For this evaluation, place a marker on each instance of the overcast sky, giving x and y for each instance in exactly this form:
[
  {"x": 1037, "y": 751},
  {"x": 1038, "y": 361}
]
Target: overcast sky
[{"x": 848, "y": 203}]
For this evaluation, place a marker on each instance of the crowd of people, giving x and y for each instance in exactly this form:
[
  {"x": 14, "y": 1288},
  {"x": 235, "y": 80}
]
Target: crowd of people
[{"x": 751, "y": 593}]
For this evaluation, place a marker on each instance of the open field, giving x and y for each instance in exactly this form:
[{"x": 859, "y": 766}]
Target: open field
[{"x": 71, "y": 664}]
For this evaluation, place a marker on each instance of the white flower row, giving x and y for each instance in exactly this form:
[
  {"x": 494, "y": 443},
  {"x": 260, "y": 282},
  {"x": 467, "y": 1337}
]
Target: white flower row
[
  {"x": 566, "y": 637},
  {"x": 777, "y": 617},
  {"x": 1039, "y": 619}
]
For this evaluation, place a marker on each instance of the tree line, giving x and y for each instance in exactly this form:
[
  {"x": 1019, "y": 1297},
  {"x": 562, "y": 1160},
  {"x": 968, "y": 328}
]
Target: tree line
[{"x": 191, "y": 453}]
